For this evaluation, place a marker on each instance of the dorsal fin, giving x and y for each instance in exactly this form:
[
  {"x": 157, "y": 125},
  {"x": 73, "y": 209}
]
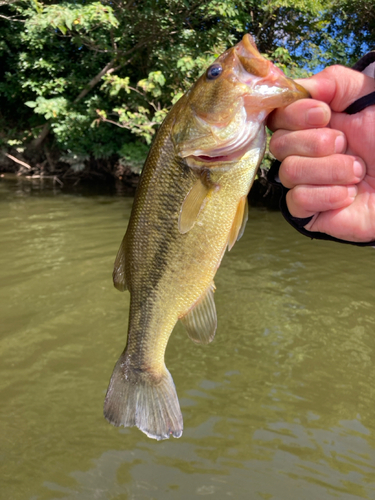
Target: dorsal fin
[
  {"x": 192, "y": 205},
  {"x": 201, "y": 321},
  {"x": 239, "y": 222},
  {"x": 119, "y": 268}
]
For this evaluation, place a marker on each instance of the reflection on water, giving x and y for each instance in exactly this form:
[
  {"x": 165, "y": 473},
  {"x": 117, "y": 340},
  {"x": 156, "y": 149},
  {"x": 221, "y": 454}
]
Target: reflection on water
[{"x": 280, "y": 406}]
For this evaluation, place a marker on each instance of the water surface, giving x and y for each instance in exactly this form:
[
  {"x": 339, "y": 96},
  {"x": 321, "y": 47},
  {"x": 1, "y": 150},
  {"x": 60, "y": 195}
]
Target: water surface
[{"x": 280, "y": 406}]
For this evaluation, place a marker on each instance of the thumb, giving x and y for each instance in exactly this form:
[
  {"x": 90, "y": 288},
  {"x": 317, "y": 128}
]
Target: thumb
[{"x": 338, "y": 86}]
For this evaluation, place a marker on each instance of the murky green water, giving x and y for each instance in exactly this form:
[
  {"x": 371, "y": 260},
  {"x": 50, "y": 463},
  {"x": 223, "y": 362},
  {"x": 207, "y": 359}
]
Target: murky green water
[{"x": 280, "y": 406}]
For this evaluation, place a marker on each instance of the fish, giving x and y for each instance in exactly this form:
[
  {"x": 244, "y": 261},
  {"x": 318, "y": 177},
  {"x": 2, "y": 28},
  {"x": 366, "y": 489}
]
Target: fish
[{"x": 190, "y": 206}]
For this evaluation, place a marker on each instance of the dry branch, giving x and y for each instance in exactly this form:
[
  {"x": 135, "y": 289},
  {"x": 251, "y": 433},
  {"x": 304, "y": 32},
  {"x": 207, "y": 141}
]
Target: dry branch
[{"x": 18, "y": 161}]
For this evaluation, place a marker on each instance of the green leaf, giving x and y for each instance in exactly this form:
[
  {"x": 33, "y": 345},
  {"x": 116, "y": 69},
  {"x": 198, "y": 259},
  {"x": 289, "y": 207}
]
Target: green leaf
[
  {"x": 62, "y": 28},
  {"x": 158, "y": 50}
]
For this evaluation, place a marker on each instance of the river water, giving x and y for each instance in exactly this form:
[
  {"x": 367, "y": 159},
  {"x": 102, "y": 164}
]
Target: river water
[{"x": 280, "y": 406}]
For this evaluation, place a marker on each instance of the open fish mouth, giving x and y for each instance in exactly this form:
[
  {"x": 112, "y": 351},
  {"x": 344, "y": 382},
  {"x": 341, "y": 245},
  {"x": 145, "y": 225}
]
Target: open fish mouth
[
  {"x": 266, "y": 79},
  {"x": 232, "y": 150},
  {"x": 261, "y": 87},
  {"x": 231, "y": 142}
]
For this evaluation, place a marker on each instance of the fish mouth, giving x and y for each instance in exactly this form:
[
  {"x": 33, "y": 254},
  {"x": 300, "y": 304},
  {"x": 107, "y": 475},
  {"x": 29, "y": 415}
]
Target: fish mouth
[
  {"x": 229, "y": 153},
  {"x": 210, "y": 159},
  {"x": 262, "y": 87},
  {"x": 232, "y": 147},
  {"x": 266, "y": 82},
  {"x": 253, "y": 63}
]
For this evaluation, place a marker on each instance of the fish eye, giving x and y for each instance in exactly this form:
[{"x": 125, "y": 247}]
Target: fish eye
[{"x": 214, "y": 71}]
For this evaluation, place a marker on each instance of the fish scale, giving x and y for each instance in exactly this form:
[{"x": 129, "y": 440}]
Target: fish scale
[{"x": 190, "y": 205}]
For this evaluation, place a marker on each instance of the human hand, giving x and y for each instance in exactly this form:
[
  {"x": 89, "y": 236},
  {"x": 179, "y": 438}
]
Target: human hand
[{"x": 328, "y": 157}]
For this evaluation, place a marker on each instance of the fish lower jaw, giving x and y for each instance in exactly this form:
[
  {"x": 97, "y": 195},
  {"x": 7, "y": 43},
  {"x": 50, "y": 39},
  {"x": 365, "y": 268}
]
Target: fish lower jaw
[
  {"x": 251, "y": 136},
  {"x": 199, "y": 161}
]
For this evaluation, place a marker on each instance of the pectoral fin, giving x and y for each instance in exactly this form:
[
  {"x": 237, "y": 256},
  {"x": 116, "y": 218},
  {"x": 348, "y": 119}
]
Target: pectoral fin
[
  {"x": 239, "y": 222},
  {"x": 201, "y": 321},
  {"x": 192, "y": 205},
  {"x": 119, "y": 269}
]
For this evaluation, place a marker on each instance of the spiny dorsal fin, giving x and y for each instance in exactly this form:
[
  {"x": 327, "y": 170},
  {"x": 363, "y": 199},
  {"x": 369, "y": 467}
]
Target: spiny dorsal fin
[
  {"x": 239, "y": 222},
  {"x": 119, "y": 268},
  {"x": 192, "y": 205},
  {"x": 201, "y": 321}
]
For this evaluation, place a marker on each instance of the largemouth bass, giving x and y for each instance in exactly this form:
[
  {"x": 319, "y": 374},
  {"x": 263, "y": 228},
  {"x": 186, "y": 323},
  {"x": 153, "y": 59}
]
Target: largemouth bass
[{"x": 190, "y": 205}]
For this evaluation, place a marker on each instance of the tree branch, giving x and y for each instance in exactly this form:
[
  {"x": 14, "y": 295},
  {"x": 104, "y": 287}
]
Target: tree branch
[
  {"x": 94, "y": 81},
  {"x": 36, "y": 143},
  {"x": 109, "y": 69},
  {"x": 18, "y": 161},
  {"x": 12, "y": 19},
  {"x": 7, "y": 2}
]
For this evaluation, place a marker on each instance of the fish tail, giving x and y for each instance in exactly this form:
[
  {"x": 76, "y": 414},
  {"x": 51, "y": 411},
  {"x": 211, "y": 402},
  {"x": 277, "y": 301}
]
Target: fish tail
[{"x": 137, "y": 397}]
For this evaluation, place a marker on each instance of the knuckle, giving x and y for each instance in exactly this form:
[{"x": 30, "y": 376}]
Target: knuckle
[
  {"x": 335, "y": 195},
  {"x": 290, "y": 171},
  {"x": 341, "y": 169},
  {"x": 276, "y": 143},
  {"x": 321, "y": 143},
  {"x": 333, "y": 71},
  {"x": 325, "y": 143},
  {"x": 298, "y": 196},
  {"x": 336, "y": 175}
]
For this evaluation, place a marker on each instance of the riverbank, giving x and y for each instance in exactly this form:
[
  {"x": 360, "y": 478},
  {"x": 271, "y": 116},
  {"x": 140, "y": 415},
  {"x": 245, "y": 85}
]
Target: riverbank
[
  {"x": 109, "y": 175},
  {"x": 83, "y": 171}
]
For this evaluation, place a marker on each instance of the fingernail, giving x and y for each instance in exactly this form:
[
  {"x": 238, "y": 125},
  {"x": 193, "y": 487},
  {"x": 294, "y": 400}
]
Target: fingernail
[
  {"x": 340, "y": 144},
  {"x": 317, "y": 116},
  {"x": 358, "y": 169},
  {"x": 352, "y": 191}
]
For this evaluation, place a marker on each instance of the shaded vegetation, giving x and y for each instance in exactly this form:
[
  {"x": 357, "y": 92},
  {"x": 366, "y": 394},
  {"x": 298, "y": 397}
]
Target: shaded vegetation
[{"x": 87, "y": 83}]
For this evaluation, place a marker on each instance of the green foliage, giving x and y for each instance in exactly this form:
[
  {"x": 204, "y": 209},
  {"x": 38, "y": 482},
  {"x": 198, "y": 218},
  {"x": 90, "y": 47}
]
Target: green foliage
[
  {"x": 105, "y": 73},
  {"x": 134, "y": 154},
  {"x": 49, "y": 108},
  {"x": 113, "y": 84},
  {"x": 140, "y": 121},
  {"x": 71, "y": 17},
  {"x": 153, "y": 83}
]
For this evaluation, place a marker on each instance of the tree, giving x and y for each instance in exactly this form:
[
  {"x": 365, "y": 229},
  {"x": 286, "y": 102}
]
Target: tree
[{"x": 90, "y": 78}]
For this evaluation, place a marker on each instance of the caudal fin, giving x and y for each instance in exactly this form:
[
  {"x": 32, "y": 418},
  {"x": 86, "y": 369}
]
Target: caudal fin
[{"x": 138, "y": 398}]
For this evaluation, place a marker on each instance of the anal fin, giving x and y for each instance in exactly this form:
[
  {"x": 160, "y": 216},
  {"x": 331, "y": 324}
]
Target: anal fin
[
  {"x": 118, "y": 274},
  {"x": 201, "y": 321},
  {"x": 192, "y": 205},
  {"x": 239, "y": 222}
]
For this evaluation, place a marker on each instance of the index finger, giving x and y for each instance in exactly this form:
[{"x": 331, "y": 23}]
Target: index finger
[
  {"x": 300, "y": 115},
  {"x": 338, "y": 86}
]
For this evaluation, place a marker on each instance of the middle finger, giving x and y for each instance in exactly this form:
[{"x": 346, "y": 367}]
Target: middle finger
[{"x": 313, "y": 143}]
